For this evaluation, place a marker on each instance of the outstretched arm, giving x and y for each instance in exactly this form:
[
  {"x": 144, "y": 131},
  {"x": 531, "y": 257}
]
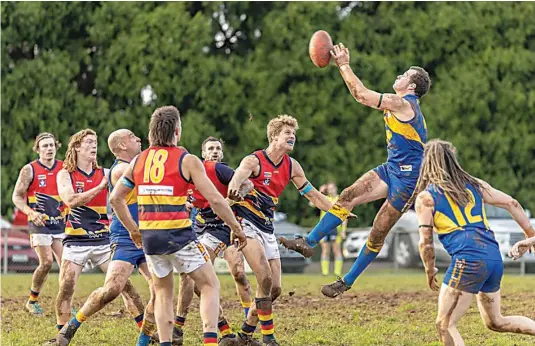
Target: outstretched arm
[
  {"x": 364, "y": 95},
  {"x": 307, "y": 189},
  {"x": 424, "y": 211},
  {"x": 248, "y": 166},
  {"x": 501, "y": 199},
  {"x": 66, "y": 191}
]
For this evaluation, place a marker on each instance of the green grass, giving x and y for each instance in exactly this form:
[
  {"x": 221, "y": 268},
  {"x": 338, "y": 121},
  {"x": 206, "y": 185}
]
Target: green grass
[{"x": 384, "y": 308}]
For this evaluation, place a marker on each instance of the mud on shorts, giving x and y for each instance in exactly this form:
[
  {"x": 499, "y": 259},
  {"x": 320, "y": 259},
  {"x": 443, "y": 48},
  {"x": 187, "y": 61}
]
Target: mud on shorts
[
  {"x": 128, "y": 253},
  {"x": 189, "y": 258},
  {"x": 474, "y": 275},
  {"x": 81, "y": 254},
  {"x": 214, "y": 244},
  {"x": 40, "y": 239},
  {"x": 401, "y": 185},
  {"x": 267, "y": 240}
]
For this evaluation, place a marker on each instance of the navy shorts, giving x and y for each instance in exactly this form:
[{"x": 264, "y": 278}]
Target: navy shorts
[
  {"x": 474, "y": 275},
  {"x": 128, "y": 253},
  {"x": 401, "y": 185}
]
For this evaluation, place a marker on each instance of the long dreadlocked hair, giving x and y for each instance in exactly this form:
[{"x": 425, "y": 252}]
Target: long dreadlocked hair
[
  {"x": 441, "y": 168},
  {"x": 71, "y": 155},
  {"x": 163, "y": 123}
]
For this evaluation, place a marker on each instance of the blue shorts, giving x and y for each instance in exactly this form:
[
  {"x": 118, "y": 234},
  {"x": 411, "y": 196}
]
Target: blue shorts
[
  {"x": 474, "y": 275},
  {"x": 128, "y": 253},
  {"x": 401, "y": 185}
]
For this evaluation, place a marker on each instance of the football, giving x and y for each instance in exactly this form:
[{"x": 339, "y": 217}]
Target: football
[{"x": 319, "y": 48}]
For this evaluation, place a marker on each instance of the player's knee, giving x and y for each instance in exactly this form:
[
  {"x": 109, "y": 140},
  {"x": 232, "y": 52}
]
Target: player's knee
[
  {"x": 275, "y": 293},
  {"x": 494, "y": 323},
  {"x": 66, "y": 289},
  {"x": 46, "y": 265},
  {"x": 240, "y": 278},
  {"x": 265, "y": 282},
  {"x": 110, "y": 293}
]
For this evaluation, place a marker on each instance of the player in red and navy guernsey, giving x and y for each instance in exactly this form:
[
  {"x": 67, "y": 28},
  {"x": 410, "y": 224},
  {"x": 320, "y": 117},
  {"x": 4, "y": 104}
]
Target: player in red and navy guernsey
[
  {"x": 214, "y": 234},
  {"x": 270, "y": 170},
  {"x": 37, "y": 183},
  {"x": 161, "y": 176},
  {"x": 82, "y": 187}
]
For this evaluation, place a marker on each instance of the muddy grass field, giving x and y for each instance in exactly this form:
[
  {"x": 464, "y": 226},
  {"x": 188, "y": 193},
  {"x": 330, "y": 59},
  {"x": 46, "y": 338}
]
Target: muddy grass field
[{"x": 383, "y": 308}]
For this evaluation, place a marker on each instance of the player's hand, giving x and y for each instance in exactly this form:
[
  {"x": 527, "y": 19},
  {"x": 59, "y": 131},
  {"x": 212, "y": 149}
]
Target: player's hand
[
  {"x": 189, "y": 206},
  {"x": 519, "y": 249},
  {"x": 432, "y": 281},
  {"x": 238, "y": 237},
  {"x": 37, "y": 218},
  {"x": 234, "y": 195},
  {"x": 137, "y": 239},
  {"x": 340, "y": 54}
]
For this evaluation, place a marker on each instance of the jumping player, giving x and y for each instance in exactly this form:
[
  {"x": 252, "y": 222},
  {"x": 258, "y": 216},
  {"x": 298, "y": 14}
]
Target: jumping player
[
  {"x": 37, "y": 182},
  {"x": 124, "y": 145},
  {"x": 395, "y": 180},
  {"x": 82, "y": 187},
  {"x": 215, "y": 236},
  {"x": 451, "y": 202},
  {"x": 270, "y": 170},
  {"x": 162, "y": 175}
]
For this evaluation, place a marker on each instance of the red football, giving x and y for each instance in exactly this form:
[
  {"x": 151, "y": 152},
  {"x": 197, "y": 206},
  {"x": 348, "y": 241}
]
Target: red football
[{"x": 319, "y": 48}]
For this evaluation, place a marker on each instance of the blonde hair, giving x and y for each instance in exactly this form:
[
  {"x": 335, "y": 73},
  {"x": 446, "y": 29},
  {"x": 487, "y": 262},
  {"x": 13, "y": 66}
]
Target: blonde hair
[
  {"x": 45, "y": 135},
  {"x": 441, "y": 168},
  {"x": 276, "y": 124},
  {"x": 71, "y": 155}
]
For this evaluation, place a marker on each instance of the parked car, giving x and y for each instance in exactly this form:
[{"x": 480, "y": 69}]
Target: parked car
[
  {"x": 404, "y": 250},
  {"x": 20, "y": 255}
]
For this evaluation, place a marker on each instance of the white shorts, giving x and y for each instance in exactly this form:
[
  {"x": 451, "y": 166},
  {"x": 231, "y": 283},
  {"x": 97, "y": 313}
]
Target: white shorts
[
  {"x": 44, "y": 239},
  {"x": 185, "y": 260},
  {"x": 81, "y": 254},
  {"x": 214, "y": 244},
  {"x": 268, "y": 241}
]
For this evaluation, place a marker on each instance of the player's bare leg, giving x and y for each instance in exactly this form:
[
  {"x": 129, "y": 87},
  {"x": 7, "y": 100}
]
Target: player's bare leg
[
  {"x": 116, "y": 282},
  {"x": 367, "y": 188},
  {"x": 490, "y": 309},
  {"x": 338, "y": 257},
  {"x": 208, "y": 285},
  {"x": 256, "y": 257},
  {"x": 68, "y": 276},
  {"x": 452, "y": 305},
  {"x": 236, "y": 265},
  {"x": 148, "y": 327},
  {"x": 185, "y": 297},
  {"x": 163, "y": 306},
  {"x": 384, "y": 220},
  {"x": 276, "y": 289},
  {"x": 325, "y": 256},
  {"x": 44, "y": 253}
]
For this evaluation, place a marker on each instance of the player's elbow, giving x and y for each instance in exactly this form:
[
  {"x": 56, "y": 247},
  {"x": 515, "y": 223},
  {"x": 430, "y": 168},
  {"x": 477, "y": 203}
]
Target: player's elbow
[
  {"x": 114, "y": 200},
  {"x": 71, "y": 202},
  {"x": 512, "y": 204}
]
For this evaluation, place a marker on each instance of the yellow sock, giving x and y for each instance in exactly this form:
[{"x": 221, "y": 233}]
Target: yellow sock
[
  {"x": 338, "y": 264},
  {"x": 325, "y": 266}
]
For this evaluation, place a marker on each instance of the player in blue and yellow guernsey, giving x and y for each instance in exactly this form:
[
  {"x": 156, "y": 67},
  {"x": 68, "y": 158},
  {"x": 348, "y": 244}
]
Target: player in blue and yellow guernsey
[
  {"x": 452, "y": 203},
  {"x": 395, "y": 180},
  {"x": 161, "y": 176},
  {"x": 124, "y": 145}
]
